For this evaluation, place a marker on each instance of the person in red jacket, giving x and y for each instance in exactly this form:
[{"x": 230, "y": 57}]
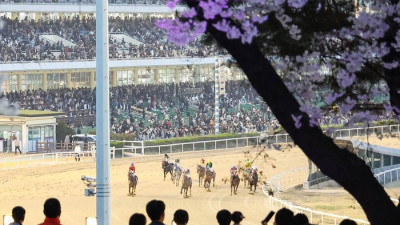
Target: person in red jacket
[
  {"x": 132, "y": 168},
  {"x": 52, "y": 211}
]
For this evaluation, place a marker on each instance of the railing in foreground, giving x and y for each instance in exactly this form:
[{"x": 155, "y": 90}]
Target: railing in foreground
[{"x": 314, "y": 216}]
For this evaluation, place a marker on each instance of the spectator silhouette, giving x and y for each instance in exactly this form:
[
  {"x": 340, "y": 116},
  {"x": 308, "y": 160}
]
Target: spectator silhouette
[
  {"x": 347, "y": 222},
  {"x": 181, "y": 217},
  {"x": 137, "y": 219},
  {"x": 156, "y": 211},
  {"x": 300, "y": 219},
  {"x": 18, "y": 214},
  {"x": 284, "y": 217},
  {"x": 237, "y": 217},
  {"x": 52, "y": 211},
  {"x": 224, "y": 217}
]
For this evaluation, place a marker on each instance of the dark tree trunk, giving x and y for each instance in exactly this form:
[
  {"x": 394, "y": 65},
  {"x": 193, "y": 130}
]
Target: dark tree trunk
[{"x": 339, "y": 164}]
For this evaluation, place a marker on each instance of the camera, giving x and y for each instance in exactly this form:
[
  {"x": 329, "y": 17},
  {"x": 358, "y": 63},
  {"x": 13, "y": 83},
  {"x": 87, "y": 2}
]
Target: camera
[{"x": 88, "y": 179}]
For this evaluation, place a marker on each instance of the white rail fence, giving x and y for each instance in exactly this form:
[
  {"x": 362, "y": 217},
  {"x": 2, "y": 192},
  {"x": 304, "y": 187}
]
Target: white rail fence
[
  {"x": 134, "y": 148},
  {"x": 388, "y": 176},
  {"x": 283, "y": 181},
  {"x": 240, "y": 142},
  {"x": 23, "y": 161}
]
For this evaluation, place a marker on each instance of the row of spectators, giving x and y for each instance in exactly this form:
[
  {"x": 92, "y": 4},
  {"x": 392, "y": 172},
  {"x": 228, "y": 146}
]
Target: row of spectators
[
  {"x": 20, "y": 40},
  {"x": 155, "y": 210}
]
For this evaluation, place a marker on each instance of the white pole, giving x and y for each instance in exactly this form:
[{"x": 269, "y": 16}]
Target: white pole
[
  {"x": 217, "y": 64},
  {"x": 102, "y": 116}
]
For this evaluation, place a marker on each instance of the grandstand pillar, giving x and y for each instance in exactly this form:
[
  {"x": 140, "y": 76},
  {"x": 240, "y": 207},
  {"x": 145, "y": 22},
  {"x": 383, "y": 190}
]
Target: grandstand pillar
[
  {"x": 157, "y": 76},
  {"x": 37, "y": 16},
  {"x": 113, "y": 78},
  {"x": 69, "y": 85},
  {"x": 14, "y": 15},
  {"x": 19, "y": 82},
  {"x": 44, "y": 81},
  {"x": 177, "y": 76},
  {"x": 136, "y": 76},
  {"x": 92, "y": 84},
  {"x": 196, "y": 74}
]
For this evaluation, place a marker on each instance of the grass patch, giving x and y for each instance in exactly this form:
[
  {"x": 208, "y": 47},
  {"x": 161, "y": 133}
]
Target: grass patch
[{"x": 37, "y": 113}]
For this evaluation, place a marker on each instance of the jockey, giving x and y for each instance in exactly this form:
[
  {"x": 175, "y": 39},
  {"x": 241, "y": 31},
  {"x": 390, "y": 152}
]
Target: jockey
[
  {"x": 234, "y": 171},
  {"x": 177, "y": 162},
  {"x": 166, "y": 157},
  {"x": 254, "y": 169},
  {"x": 209, "y": 166},
  {"x": 247, "y": 164},
  {"x": 132, "y": 168},
  {"x": 202, "y": 162}
]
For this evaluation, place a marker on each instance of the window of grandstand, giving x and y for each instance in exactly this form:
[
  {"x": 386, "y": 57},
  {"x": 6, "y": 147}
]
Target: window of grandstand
[
  {"x": 80, "y": 79},
  {"x": 206, "y": 74},
  {"x": 56, "y": 80},
  {"x": 10, "y": 83},
  {"x": 167, "y": 75},
  {"x": 125, "y": 77},
  {"x": 186, "y": 74},
  {"x": 146, "y": 76},
  {"x": 31, "y": 81}
]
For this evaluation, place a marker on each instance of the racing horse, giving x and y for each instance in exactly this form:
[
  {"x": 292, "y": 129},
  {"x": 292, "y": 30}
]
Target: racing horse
[
  {"x": 168, "y": 168},
  {"x": 253, "y": 179},
  {"x": 201, "y": 170},
  {"x": 246, "y": 177},
  {"x": 210, "y": 175},
  {"x": 133, "y": 179},
  {"x": 177, "y": 174},
  {"x": 235, "y": 183},
  {"x": 186, "y": 184}
]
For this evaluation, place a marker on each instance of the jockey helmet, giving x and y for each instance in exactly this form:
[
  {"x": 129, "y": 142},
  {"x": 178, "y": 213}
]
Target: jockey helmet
[
  {"x": 187, "y": 171},
  {"x": 132, "y": 164},
  {"x": 234, "y": 167},
  {"x": 209, "y": 161},
  {"x": 254, "y": 167},
  {"x": 202, "y": 160}
]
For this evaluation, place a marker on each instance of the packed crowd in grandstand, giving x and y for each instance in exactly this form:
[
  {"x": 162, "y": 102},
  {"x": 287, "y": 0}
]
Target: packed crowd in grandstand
[
  {"x": 21, "y": 40},
  {"x": 168, "y": 110}
]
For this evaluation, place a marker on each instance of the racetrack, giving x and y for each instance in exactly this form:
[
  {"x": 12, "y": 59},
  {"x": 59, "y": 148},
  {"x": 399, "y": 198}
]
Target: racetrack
[{"x": 30, "y": 187}]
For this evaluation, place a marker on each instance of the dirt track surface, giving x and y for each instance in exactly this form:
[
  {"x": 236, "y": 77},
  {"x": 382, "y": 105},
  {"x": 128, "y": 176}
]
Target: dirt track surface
[{"x": 30, "y": 187}]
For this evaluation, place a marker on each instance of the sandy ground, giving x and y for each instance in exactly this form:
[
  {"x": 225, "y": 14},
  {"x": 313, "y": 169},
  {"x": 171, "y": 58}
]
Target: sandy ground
[{"x": 30, "y": 187}]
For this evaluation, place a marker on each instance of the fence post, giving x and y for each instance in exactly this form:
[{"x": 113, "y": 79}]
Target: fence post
[
  {"x": 237, "y": 145},
  {"x": 193, "y": 146},
  {"x": 170, "y": 148},
  {"x": 226, "y": 143},
  {"x": 215, "y": 144},
  {"x": 182, "y": 147},
  {"x": 159, "y": 150}
]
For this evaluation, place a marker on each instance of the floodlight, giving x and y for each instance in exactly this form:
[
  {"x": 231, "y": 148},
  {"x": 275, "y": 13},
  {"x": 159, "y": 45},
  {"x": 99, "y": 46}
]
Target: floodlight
[
  {"x": 91, "y": 220},
  {"x": 7, "y": 219}
]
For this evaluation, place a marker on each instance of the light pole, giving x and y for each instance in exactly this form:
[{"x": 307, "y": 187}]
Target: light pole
[{"x": 102, "y": 115}]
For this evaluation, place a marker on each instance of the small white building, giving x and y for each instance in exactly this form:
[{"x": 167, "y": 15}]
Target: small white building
[{"x": 30, "y": 126}]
